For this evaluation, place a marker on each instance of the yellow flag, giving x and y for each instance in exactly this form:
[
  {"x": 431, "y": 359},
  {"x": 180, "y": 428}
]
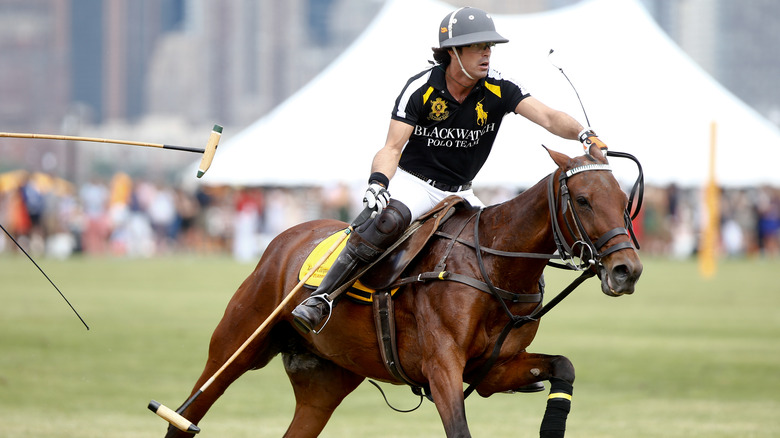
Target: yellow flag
[{"x": 711, "y": 226}]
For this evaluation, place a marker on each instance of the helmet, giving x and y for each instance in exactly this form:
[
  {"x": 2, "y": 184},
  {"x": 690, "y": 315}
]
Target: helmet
[{"x": 467, "y": 26}]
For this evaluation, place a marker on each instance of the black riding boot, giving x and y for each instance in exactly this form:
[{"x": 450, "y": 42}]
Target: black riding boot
[
  {"x": 364, "y": 246},
  {"x": 310, "y": 313}
]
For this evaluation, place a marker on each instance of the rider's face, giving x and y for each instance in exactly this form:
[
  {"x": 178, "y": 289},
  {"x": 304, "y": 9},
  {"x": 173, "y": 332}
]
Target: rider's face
[{"x": 476, "y": 58}]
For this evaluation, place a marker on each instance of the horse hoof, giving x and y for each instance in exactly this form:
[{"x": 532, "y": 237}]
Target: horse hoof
[{"x": 533, "y": 387}]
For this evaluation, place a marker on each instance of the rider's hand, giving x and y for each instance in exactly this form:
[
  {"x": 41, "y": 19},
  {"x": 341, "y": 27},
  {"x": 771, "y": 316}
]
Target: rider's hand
[
  {"x": 376, "y": 197},
  {"x": 588, "y": 137}
]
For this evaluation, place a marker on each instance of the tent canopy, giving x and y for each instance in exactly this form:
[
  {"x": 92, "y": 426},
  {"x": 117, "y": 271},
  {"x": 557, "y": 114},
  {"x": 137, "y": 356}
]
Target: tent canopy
[{"x": 643, "y": 96}]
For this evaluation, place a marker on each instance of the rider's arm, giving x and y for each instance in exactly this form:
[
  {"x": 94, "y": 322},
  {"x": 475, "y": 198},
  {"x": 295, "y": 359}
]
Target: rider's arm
[
  {"x": 386, "y": 159},
  {"x": 557, "y": 122}
]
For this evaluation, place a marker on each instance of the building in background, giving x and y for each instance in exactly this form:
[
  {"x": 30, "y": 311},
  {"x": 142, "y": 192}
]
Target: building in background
[{"x": 166, "y": 70}]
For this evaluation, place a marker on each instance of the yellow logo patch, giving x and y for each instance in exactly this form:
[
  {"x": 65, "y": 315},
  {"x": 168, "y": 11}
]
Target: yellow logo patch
[
  {"x": 482, "y": 115},
  {"x": 438, "y": 110}
]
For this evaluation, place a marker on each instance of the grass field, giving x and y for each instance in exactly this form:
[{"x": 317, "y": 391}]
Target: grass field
[{"x": 683, "y": 357}]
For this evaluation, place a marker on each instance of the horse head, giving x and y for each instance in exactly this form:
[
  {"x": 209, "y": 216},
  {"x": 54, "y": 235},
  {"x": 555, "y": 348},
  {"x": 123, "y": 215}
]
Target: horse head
[{"x": 586, "y": 198}]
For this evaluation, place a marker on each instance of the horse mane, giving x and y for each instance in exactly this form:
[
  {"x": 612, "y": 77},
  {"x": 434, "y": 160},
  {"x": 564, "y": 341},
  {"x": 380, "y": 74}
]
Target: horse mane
[{"x": 527, "y": 213}]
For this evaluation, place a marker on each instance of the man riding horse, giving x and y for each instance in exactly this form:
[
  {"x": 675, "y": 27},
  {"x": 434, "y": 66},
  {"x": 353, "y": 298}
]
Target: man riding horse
[{"x": 442, "y": 129}]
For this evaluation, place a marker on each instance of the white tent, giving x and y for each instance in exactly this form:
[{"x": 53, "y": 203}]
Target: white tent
[{"x": 642, "y": 94}]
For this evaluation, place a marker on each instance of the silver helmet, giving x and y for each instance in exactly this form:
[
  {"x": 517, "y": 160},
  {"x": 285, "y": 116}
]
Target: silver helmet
[{"x": 467, "y": 26}]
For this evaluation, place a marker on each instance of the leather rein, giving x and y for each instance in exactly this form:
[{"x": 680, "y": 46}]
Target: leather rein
[{"x": 565, "y": 252}]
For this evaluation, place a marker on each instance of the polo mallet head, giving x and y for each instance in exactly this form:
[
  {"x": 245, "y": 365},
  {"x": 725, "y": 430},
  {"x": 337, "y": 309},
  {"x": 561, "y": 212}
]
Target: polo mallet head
[
  {"x": 173, "y": 417},
  {"x": 205, "y": 161},
  {"x": 211, "y": 148}
]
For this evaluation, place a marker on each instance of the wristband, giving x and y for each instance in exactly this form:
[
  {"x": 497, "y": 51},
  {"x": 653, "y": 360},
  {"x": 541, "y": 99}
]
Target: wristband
[
  {"x": 585, "y": 133},
  {"x": 380, "y": 178}
]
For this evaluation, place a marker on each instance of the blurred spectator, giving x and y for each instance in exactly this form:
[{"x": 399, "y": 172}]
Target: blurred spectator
[
  {"x": 187, "y": 210},
  {"x": 246, "y": 224},
  {"x": 162, "y": 212},
  {"x": 94, "y": 201},
  {"x": 20, "y": 219},
  {"x": 34, "y": 208},
  {"x": 768, "y": 226}
]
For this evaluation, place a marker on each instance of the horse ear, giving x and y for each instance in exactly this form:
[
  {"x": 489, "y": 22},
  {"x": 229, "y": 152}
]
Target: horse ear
[
  {"x": 596, "y": 153},
  {"x": 560, "y": 159}
]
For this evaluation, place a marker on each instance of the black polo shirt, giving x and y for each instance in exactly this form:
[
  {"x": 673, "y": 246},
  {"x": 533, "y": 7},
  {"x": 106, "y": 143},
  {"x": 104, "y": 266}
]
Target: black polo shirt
[{"x": 452, "y": 140}]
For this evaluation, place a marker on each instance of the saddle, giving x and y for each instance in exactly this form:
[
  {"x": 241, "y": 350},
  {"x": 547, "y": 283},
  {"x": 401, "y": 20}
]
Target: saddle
[
  {"x": 382, "y": 275},
  {"x": 384, "y": 272}
]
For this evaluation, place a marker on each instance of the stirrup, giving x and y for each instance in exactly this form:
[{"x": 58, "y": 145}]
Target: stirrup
[{"x": 327, "y": 301}]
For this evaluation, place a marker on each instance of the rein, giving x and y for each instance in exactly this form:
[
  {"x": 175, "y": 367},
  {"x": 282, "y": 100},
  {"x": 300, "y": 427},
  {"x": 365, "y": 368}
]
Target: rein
[{"x": 564, "y": 251}]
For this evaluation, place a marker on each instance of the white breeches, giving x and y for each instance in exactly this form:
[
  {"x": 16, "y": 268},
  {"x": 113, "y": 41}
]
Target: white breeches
[{"x": 420, "y": 197}]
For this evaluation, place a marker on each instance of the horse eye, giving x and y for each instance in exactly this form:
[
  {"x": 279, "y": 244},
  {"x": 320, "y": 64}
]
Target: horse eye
[{"x": 583, "y": 202}]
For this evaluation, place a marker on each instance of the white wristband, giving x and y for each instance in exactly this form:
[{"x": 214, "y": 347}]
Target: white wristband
[{"x": 582, "y": 137}]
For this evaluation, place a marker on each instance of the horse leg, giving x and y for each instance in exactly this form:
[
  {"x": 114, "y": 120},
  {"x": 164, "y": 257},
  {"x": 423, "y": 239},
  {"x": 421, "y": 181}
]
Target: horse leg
[
  {"x": 319, "y": 386},
  {"x": 526, "y": 368},
  {"x": 445, "y": 378},
  {"x": 237, "y": 324}
]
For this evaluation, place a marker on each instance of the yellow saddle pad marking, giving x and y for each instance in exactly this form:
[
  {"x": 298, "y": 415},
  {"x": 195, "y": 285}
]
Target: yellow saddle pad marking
[{"x": 358, "y": 291}]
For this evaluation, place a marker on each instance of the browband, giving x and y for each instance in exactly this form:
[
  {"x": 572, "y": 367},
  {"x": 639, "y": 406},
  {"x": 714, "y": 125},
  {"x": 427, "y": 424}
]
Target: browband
[{"x": 587, "y": 167}]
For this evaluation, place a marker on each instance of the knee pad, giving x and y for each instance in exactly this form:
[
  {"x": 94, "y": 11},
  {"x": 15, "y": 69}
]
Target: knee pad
[
  {"x": 393, "y": 220},
  {"x": 375, "y": 235}
]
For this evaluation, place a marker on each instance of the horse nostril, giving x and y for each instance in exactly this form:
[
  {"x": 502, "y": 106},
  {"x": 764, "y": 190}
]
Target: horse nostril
[
  {"x": 625, "y": 274},
  {"x": 620, "y": 273}
]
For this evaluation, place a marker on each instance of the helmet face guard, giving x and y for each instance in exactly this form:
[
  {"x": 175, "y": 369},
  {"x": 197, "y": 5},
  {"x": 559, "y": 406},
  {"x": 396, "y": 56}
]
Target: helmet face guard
[{"x": 467, "y": 26}]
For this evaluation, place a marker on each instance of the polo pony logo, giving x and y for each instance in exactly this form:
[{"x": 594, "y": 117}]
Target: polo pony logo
[
  {"x": 438, "y": 110},
  {"x": 481, "y": 114}
]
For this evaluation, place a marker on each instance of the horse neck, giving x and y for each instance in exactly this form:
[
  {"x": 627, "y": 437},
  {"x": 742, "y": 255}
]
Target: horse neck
[{"x": 521, "y": 224}]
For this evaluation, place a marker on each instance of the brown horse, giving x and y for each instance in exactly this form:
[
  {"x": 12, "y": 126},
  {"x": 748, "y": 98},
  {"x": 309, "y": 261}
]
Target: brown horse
[{"x": 446, "y": 330}]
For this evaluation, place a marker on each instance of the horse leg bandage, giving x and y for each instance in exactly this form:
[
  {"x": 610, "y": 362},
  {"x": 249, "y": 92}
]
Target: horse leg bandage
[{"x": 558, "y": 407}]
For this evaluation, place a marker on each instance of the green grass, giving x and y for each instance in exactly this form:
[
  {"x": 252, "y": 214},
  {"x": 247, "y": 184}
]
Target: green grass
[{"x": 683, "y": 357}]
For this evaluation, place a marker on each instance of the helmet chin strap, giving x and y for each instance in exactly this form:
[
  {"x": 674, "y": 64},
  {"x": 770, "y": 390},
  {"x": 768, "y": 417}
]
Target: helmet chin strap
[{"x": 463, "y": 69}]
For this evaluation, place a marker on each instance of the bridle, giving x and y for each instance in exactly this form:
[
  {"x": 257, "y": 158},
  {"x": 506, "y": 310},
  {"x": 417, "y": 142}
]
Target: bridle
[
  {"x": 566, "y": 252},
  {"x": 584, "y": 249}
]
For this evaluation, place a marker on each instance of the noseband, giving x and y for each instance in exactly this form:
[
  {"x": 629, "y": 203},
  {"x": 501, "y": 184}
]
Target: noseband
[{"x": 585, "y": 249}]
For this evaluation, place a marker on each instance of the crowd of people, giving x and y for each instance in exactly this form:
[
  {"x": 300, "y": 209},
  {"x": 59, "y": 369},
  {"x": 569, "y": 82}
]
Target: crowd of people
[
  {"x": 673, "y": 219},
  {"x": 122, "y": 217}
]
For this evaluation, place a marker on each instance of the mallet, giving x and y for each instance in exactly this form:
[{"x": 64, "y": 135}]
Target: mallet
[
  {"x": 174, "y": 417},
  {"x": 205, "y": 162}
]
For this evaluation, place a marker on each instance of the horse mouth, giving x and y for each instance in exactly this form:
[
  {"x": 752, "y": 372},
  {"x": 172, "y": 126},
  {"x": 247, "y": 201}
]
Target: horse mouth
[{"x": 608, "y": 287}]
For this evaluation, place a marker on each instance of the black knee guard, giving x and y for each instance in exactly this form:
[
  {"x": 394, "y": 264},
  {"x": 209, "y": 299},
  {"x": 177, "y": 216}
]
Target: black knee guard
[{"x": 375, "y": 235}]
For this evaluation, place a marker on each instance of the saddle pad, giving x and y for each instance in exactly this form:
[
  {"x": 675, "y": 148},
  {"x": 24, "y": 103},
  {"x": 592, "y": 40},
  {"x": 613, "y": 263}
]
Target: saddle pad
[{"x": 358, "y": 291}]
